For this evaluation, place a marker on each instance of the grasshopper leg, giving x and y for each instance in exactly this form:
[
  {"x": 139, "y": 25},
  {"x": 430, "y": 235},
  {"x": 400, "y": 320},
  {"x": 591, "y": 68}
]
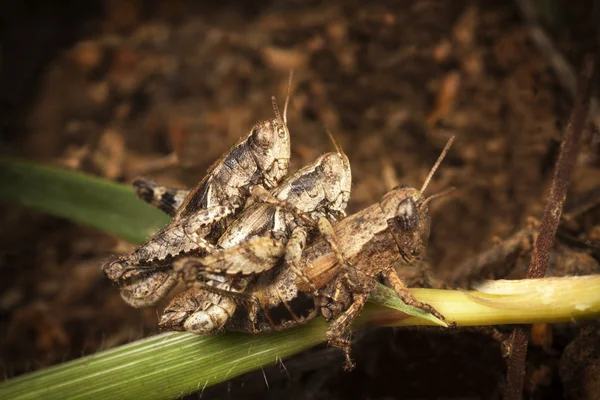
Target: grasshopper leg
[
  {"x": 165, "y": 198},
  {"x": 293, "y": 254},
  {"x": 408, "y": 298},
  {"x": 194, "y": 311},
  {"x": 260, "y": 194},
  {"x": 196, "y": 226},
  {"x": 255, "y": 255},
  {"x": 336, "y": 331},
  {"x": 147, "y": 290},
  {"x": 326, "y": 230}
]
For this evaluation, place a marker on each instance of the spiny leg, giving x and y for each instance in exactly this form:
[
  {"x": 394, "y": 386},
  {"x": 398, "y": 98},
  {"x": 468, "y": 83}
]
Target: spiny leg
[
  {"x": 293, "y": 254},
  {"x": 197, "y": 312},
  {"x": 255, "y": 255},
  {"x": 238, "y": 296},
  {"x": 335, "y": 299},
  {"x": 260, "y": 194},
  {"x": 198, "y": 225},
  {"x": 182, "y": 237},
  {"x": 147, "y": 290},
  {"x": 167, "y": 199},
  {"x": 328, "y": 233},
  {"x": 408, "y": 298},
  {"x": 342, "y": 323},
  {"x": 326, "y": 230}
]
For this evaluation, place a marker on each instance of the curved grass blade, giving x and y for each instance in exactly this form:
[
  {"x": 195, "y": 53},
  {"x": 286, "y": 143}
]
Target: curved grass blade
[
  {"x": 107, "y": 206},
  {"x": 174, "y": 364}
]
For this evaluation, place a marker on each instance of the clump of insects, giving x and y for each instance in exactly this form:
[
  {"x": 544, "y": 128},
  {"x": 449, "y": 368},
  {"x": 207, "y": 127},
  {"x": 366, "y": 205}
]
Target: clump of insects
[
  {"x": 240, "y": 237},
  {"x": 256, "y": 163},
  {"x": 263, "y": 234},
  {"x": 371, "y": 242}
]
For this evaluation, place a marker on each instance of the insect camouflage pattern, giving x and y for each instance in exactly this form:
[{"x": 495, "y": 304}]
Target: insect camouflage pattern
[
  {"x": 258, "y": 239},
  {"x": 371, "y": 242},
  {"x": 234, "y": 241},
  {"x": 260, "y": 160}
]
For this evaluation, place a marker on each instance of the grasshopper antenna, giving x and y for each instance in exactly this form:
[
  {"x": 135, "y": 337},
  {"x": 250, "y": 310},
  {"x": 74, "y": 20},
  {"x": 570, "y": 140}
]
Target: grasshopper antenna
[
  {"x": 276, "y": 108},
  {"x": 437, "y": 163},
  {"x": 443, "y": 193},
  {"x": 287, "y": 96},
  {"x": 337, "y": 146}
]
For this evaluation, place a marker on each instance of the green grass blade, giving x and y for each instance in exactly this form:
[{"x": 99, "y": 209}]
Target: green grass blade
[
  {"x": 163, "y": 366},
  {"x": 107, "y": 206},
  {"x": 174, "y": 364}
]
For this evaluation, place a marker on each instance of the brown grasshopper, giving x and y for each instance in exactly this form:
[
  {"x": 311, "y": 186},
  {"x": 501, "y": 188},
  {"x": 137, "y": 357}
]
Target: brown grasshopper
[
  {"x": 371, "y": 241},
  {"x": 260, "y": 236},
  {"x": 256, "y": 163}
]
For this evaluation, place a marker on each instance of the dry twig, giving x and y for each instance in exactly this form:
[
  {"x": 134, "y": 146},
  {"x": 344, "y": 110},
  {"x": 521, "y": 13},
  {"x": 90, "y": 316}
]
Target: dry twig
[{"x": 549, "y": 225}]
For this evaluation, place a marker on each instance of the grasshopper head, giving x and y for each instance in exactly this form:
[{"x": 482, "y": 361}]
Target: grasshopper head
[
  {"x": 337, "y": 181},
  {"x": 408, "y": 220},
  {"x": 270, "y": 143},
  {"x": 407, "y": 213}
]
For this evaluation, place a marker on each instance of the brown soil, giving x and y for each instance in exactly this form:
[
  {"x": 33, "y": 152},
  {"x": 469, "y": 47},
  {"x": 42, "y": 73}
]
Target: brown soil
[{"x": 114, "y": 87}]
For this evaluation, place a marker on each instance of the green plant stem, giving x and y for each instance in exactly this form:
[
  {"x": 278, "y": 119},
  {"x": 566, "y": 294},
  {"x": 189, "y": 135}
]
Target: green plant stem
[{"x": 173, "y": 364}]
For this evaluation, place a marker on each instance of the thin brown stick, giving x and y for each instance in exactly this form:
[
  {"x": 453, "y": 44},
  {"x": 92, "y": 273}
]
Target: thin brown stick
[{"x": 558, "y": 191}]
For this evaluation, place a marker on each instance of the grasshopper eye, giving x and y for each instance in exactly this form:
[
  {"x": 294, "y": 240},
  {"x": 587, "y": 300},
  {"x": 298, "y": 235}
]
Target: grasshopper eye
[
  {"x": 407, "y": 216},
  {"x": 281, "y": 132}
]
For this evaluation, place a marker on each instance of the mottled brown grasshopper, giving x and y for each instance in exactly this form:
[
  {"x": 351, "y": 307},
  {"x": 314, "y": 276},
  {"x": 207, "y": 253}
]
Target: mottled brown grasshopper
[
  {"x": 255, "y": 242},
  {"x": 256, "y": 163},
  {"x": 371, "y": 242}
]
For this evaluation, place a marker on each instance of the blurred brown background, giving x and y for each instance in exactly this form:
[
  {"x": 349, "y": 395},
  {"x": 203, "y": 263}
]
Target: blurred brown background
[{"x": 162, "y": 88}]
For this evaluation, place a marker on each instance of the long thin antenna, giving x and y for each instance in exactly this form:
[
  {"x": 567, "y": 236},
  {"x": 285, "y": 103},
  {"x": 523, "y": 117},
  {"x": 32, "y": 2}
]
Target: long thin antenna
[
  {"x": 443, "y": 193},
  {"x": 337, "y": 146},
  {"x": 437, "y": 163},
  {"x": 287, "y": 96},
  {"x": 276, "y": 108}
]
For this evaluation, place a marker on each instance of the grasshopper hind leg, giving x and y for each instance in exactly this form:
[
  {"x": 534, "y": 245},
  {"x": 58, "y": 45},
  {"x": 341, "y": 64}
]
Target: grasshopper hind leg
[
  {"x": 167, "y": 199},
  {"x": 340, "y": 327},
  {"x": 205, "y": 308}
]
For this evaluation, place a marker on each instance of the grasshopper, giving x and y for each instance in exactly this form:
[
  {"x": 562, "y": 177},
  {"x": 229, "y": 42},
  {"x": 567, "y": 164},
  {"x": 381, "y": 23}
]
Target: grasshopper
[
  {"x": 265, "y": 232},
  {"x": 371, "y": 242},
  {"x": 258, "y": 161}
]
